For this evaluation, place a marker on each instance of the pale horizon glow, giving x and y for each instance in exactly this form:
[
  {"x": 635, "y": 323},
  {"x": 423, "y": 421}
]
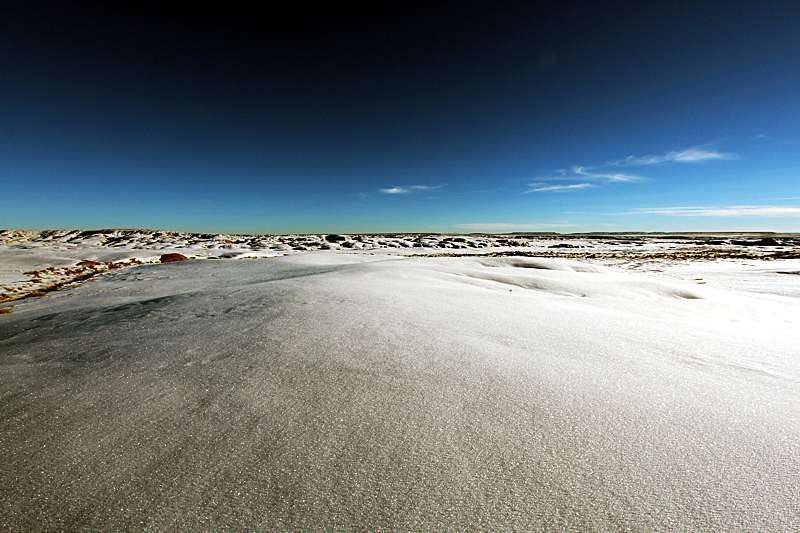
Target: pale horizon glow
[{"x": 731, "y": 211}]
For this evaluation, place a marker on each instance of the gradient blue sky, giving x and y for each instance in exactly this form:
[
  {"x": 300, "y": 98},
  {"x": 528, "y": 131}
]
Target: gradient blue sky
[{"x": 566, "y": 117}]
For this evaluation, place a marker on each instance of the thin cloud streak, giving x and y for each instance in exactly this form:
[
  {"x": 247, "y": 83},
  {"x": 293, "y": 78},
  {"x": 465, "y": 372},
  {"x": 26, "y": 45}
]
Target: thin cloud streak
[
  {"x": 729, "y": 211},
  {"x": 542, "y": 187},
  {"x": 603, "y": 176},
  {"x": 690, "y": 155},
  {"x": 408, "y": 189},
  {"x": 617, "y": 176}
]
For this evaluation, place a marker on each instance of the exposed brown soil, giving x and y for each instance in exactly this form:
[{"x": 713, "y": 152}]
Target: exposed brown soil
[{"x": 84, "y": 270}]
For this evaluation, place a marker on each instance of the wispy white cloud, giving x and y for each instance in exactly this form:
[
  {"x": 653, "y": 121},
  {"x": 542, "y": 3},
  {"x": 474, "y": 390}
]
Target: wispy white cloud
[
  {"x": 690, "y": 155},
  {"x": 728, "y": 211},
  {"x": 505, "y": 226},
  {"x": 604, "y": 174},
  {"x": 408, "y": 189},
  {"x": 543, "y": 187},
  {"x": 553, "y": 183}
]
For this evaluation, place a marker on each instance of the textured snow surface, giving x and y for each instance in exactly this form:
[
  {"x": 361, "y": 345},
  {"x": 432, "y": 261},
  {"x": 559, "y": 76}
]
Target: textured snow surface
[
  {"x": 351, "y": 392},
  {"x": 41, "y": 261}
]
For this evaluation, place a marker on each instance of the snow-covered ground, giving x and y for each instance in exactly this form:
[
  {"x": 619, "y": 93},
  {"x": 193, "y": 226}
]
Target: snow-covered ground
[
  {"x": 35, "y": 262},
  {"x": 616, "y": 386}
]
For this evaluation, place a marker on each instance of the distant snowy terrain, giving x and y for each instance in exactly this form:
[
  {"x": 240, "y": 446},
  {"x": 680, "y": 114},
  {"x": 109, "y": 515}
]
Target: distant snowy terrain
[
  {"x": 378, "y": 383},
  {"x": 33, "y": 262}
]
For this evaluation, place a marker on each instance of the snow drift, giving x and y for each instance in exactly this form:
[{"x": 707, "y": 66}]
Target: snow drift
[{"x": 322, "y": 392}]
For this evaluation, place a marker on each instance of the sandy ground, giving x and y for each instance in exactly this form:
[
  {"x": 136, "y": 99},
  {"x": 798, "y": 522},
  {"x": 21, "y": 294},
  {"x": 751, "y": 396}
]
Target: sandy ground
[{"x": 343, "y": 391}]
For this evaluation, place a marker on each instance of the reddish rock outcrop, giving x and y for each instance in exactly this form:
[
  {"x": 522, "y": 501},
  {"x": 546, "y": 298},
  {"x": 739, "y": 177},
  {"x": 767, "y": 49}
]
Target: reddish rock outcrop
[{"x": 171, "y": 258}]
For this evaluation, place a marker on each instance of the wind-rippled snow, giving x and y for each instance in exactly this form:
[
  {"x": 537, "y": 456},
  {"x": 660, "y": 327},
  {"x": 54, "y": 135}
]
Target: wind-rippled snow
[{"x": 332, "y": 392}]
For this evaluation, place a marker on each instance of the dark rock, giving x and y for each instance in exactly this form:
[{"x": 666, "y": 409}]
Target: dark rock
[
  {"x": 171, "y": 258},
  {"x": 767, "y": 241}
]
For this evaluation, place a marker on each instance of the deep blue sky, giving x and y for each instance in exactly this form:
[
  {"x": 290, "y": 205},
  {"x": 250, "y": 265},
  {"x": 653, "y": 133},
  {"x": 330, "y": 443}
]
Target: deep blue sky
[{"x": 567, "y": 117}]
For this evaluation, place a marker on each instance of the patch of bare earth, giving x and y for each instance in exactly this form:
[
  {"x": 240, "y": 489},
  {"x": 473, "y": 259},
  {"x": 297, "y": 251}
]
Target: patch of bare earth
[{"x": 51, "y": 279}]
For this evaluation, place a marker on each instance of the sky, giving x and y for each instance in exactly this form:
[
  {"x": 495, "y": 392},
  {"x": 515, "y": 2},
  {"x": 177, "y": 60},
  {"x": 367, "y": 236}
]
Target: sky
[{"x": 519, "y": 117}]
